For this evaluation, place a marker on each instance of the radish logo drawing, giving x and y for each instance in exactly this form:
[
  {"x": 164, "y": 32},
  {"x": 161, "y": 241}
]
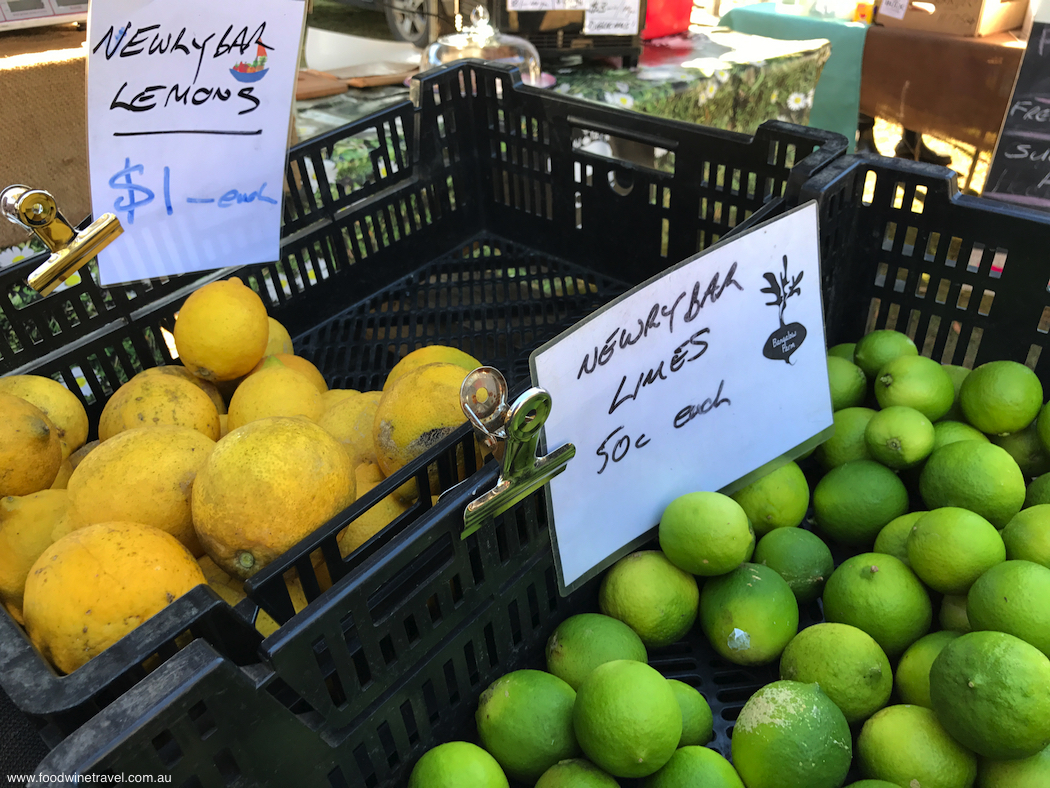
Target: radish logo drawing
[{"x": 786, "y": 339}]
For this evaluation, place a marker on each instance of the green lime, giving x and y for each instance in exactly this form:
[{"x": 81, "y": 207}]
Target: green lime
[
  {"x": 1013, "y": 598},
  {"x": 843, "y": 350},
  {"x": 524, "y": 720},
  {"x": 576, "y": 773},
  {"x": 777, "y": 500},
  {"x": 915, "y": 382},
  {"x": 872, "y": 784},
  {"x": 991, "y": 692},
  {"x": 893, "y": 539},
  {"x": 1026, "y": 447},
  {"x": 880, "y": 595},
  {"x": 798, "y": 556},
  {"x": 899, "y": 437},
  {"x": 847, "y": 444},
  {"x": 952, "y": 615},
  {"x": 1030, "y": 772},
  {"x": 748, "y": 615},
  {"x": 977, "y": 476},
  {"x": 698, "y": 725},
  {"x": 697, "y": 766},
  {"x": 627, "y": 718},
  {"x": 846, "y": 662},
  {"x": 1042, "y": 425},
  {"x": 908, "y": 746},
  {"x": 650, "y": 595},
  {"x": 705, "y": 533},
  {"x": 1001, "y": 397},
  {"x": 583, "y": 642},
  {"x": 949, "y": 548},
  {"x": 958, "y": 375},
  {"x": 1038, "y": 491},
  {"x": 455, "y": 764},
  {"x": 879, "y": 348},
  {"x": 855, "y": 501},
  {"x": 913, "y": 671},
  {"x": 791, "y": 735},
  {"x": 945, "y": 432},
  {"x": 1027, "y": 535},
  {"x": 849, "y": 386}
]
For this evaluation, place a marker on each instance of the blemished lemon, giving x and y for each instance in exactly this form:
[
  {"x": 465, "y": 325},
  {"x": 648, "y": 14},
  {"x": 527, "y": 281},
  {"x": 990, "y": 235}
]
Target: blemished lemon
[
  {"x": 973, "y": 475},
  {"x": 798, "y": 556},
  {"x": 893, "y": 539},
  {"x": 912, "y": 680},
  {"x": 1026, "y": 447},
  {"x": 855, "y": 501},
  {"x": 1027, "y": 535},
  {"x": 1030, "y": 772},
  {"x": 1038, "y": 491},
  {"x": 705, "y": 533},
  {"x": 1013, "y": 597},
  {"x": 59, "y": 404},
  {"x": 627, "y": 719},
  {"x": 1001, "y": 397},
  {"x": 843, "y": 350},
  {"x": 431, "y": 354},
  {"x": 350, "y": 422},
  {"x": 275, "y": 390},
  {"x": 524, "y": 720},
  {"x": 848, "y": 383},
  {"x": 694, "y": 766},
  {"x": 949, "y": 548},
  {"x": 777, "y": 500},
  {"x": 652, "y": 596},
  {"x": 791, "y": 735},
  {"x": 952, "y": 615},
  {"x": 958, "y": 375},
  {"x": 456, "y": 764},
  {"x": 945, "y": 432},
  {"x": 847, "y": 664},
  {"x": 880, "y": 595},
  {"x": 908, "y": 746},
  {"x": 847, "y": 444},
  {"x": 991, "y": 692},
  {"x": 748, "y": 615},
  {"x": 178, "y": 371},
  {"x": 584, "y": 641},
  {"x": 875, "y": 350},
  {"x": 158, "y": 399},
  {"x": 899, "y": 437},
  {"x": 30, "y": 449},
  {"x": 697, "y": 721},
  {"x": 301, "y": 365},
  {"x": 222, "y": 330},
  {"x": 915, "y": 382},
  {"x": 576, "y": 773}
]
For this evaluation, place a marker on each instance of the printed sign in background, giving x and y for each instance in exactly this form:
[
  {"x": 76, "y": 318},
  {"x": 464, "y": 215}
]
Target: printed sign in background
[
  {"x": 691, "y": 382},
  {"x": 189, "y": 105}
]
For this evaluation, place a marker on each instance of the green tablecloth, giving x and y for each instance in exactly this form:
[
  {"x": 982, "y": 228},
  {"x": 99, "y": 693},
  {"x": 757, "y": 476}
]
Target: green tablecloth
[
  {"x": 836, "y": 102},
  {"x": 720, "y": 78}
]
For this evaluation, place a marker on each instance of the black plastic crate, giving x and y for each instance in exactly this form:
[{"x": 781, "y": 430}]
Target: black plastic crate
[{"x": 476, "y": 223}]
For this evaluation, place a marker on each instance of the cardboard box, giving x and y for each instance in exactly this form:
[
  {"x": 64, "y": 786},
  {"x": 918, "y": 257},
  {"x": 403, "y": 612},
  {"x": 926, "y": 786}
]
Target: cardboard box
[{"x": 960, "y": 17}]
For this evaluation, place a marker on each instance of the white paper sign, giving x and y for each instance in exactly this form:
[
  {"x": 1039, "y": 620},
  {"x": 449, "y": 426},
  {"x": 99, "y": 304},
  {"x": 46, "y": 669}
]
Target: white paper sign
[
  {"x": 546, "y": 5},
  {"x": 690, "y": 382},
  {"x": 189, "y": 104},
  {"x": 611, "y": 18},
  {"x": 894, "y": 9}
]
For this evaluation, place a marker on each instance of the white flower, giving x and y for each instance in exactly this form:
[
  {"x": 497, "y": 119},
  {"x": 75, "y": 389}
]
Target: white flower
[
  {"x": 564, "y": 87},
  {"x": 722, "y": 75},
  {"x": 15, "y": 254},
  {"x": 619, "y": 99},
  {"x": 774, "y": 96},
  {"x": 623, "y": 87},
  {"x": 809, "y": 98},
  {"x": 711, "y": 90},
  {"x": 796, "y": 101}
]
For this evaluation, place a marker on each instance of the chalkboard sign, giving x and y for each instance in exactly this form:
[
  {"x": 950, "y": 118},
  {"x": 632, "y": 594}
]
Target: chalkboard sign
[{"x": 1020, "y": 170}]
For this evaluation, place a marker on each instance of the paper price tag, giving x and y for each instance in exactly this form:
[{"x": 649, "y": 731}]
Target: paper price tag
[
  {"x": 189, "y": 105},
  {"x": 893, "y": 8},
  {"x": 693, "y": 381},
  {"x": 611, "y": 17}
]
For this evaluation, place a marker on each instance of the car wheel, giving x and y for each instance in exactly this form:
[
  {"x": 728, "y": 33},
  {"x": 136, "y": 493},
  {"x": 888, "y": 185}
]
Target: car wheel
[{"x": 408, "y": 20}]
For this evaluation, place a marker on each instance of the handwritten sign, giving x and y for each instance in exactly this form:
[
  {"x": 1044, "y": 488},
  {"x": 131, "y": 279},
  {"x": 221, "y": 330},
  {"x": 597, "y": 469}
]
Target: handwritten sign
[
  {"x": 894, "y": 9},
  {"x": 693, "y": 381},
  {"x": 1020, "y": 169},
  {"x": 611, "y": 18},
  {"x": 546, "y": 5},
  {"x": 189, "y": 104}
]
